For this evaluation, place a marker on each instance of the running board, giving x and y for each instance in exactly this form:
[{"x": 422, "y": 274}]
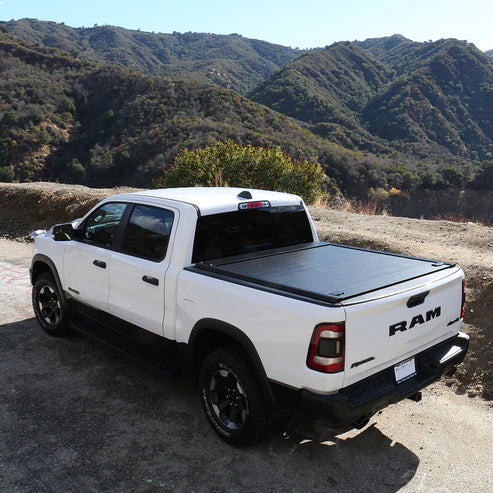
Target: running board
[{"x": 124, "y": 344}]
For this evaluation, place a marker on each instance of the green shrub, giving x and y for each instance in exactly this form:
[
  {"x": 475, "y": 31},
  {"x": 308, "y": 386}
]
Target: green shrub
[
  {"x": 7, "y": 174},
  {"x": 452, "y": 176},
  {"x": 229, "y": 164}
]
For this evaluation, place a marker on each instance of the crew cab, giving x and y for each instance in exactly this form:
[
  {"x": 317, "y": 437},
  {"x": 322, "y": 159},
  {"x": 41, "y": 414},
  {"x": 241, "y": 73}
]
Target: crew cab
[{"x": 235, "y": 286}]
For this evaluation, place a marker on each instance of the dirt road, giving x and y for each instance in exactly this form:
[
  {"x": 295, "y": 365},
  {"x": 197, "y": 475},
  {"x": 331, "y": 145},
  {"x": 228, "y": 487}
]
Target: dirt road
[{"x": 77, "y": 416}]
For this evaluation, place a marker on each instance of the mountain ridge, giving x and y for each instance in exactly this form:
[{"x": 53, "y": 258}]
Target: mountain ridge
[
  {"x": 230, "y": 61},
  {"x": 428, "y": 94}
]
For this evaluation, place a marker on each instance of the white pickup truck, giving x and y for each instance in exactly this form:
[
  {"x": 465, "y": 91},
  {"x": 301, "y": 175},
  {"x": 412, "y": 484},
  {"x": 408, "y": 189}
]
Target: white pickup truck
[{"x": 235, "y": 286}]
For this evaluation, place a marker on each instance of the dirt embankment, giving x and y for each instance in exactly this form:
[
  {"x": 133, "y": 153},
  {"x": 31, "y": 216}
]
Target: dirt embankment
[
  {"x": 28, "y": 206},
  {"x": 24, "y": 207}
]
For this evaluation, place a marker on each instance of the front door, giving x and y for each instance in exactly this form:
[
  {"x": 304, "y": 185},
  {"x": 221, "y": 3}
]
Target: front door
[{"x": 86, "y": 260}]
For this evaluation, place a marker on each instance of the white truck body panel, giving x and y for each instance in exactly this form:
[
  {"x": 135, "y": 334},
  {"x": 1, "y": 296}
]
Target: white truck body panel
[
  {"x": 279, "y": 327},
  {"x": 368, "y": 325}
]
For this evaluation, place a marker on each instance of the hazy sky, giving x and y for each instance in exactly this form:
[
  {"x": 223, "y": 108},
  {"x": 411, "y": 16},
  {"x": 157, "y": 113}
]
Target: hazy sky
[{"x": 302, "y": 23}]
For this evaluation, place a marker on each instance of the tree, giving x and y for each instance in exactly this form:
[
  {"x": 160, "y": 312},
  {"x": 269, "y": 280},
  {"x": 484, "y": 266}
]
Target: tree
[
  {"x": 75, "y": 172},
  {"x": 230, "y": 164},
  {"x": 452, "y": 176},
  {"x": 7, "y": 174}
]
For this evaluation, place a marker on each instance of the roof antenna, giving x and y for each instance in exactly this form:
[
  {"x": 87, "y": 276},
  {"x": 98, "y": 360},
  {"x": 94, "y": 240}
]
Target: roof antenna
[{"x": 245, "y": 195}]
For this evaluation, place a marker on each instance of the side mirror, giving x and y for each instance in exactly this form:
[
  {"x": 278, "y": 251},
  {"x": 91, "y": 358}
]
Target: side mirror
[{"x": 64, "y": 232}]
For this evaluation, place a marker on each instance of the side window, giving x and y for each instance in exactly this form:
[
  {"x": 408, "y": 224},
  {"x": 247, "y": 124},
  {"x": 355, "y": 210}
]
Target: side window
[
  {"x": 101, "y": 226},
  {"x": 147, "y": 233}
]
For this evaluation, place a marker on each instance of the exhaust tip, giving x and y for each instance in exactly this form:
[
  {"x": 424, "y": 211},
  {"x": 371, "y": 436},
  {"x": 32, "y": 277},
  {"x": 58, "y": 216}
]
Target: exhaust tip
[{"x": 361, "y": 422}]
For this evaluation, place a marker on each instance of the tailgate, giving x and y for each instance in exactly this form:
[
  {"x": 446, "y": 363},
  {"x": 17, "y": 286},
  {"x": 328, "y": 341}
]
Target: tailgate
[{"x": 384, "y": 331}]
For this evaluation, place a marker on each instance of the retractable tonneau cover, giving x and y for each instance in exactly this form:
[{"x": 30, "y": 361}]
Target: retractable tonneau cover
[{"x": 324, "y": 272}]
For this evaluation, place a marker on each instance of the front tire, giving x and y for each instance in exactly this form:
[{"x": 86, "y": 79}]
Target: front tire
[
  {"x": 49, "y": 307},
  {"x": 232, "y": 398}
]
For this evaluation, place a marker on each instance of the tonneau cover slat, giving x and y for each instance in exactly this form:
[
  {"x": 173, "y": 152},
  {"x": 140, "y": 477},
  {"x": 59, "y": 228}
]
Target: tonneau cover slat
[{"x": 325, "y": 271}]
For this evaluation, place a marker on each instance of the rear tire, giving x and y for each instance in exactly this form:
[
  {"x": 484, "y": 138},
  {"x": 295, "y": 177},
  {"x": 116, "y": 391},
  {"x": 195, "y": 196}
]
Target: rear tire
[
  {"x": 232, "y": 398},
  {"x": 49, "y": 307}
]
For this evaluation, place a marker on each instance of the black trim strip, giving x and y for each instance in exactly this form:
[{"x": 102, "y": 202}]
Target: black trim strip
[
  {"x": 152, "y": 349},
  {"x": 138, "y": 194},
  {"x": 362, "y": 362},
  {"x": 254, "y": 284},
  {"x": 40, "y": 258}
]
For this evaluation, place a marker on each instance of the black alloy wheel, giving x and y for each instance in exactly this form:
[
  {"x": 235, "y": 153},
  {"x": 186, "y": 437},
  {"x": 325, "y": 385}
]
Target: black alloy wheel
[
  {"x": 49, "y": 307},
  {"x": 231, "y": 397},
  {"x": 228, "y": 398}
]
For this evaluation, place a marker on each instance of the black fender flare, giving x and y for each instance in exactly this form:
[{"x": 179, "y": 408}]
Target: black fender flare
[
  {"x": 39, "y": 257},
  {"x": 246, "y": 344}
]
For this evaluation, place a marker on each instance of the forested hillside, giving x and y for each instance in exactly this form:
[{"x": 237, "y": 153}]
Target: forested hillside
[
  {"x": 230, "y": 61},
  {"x": 388, "y": 119},
  {"x": 378, "y": 95},
  {"x": 69, "y": 120},
  {"x": 419, "y": 98},
  {"x": 386, "y": 46},
  {"x": 329, "y": 89}
]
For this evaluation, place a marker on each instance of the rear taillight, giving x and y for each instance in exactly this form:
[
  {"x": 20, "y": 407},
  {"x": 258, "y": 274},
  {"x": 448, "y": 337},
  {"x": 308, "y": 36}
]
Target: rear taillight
[
  {"x": 463, "y": 305},
  {"x": 326, "y": 352}
]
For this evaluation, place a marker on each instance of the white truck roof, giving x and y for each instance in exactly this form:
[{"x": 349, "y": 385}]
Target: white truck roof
[{"x": 214, "y": 200}]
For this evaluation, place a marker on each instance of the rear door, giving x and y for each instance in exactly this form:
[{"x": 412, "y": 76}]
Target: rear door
[
  {"x": 137, "y": 271},
  {"x": 386, "y": 331}
]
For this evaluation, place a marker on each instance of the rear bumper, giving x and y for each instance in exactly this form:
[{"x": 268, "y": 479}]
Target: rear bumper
[{"x": 356, "y": 403}]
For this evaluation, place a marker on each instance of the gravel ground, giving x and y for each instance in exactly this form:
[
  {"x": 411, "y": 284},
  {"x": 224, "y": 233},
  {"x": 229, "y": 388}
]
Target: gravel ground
[{"x": 76, "y": 416}]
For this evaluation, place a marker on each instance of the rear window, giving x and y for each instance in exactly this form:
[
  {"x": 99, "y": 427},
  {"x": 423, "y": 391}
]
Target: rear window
[
  {"x": 147, "y": 233},
  {"x": 245, "y": 231}
]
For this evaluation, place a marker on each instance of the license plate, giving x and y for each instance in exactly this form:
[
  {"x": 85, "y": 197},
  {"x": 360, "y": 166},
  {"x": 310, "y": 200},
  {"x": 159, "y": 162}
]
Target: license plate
[{"x": 404, "y": 370}]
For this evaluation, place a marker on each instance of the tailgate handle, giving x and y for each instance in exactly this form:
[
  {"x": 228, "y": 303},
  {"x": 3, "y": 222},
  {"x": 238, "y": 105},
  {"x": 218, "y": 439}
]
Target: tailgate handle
[{"x": 417, "y": 299}]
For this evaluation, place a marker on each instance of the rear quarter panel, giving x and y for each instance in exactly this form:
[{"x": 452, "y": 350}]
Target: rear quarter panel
[{"x": 279, "y": 327}]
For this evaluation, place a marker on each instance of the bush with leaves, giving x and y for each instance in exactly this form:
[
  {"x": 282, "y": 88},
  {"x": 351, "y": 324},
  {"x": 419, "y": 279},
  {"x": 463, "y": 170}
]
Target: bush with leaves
[
  {"x": 230, "y": 164},
  {"x": 7, "y": 174},
  {"x": 452, "y": 176}
]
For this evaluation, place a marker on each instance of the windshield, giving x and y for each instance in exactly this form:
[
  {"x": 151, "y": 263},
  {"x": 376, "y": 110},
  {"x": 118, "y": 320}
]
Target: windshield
[{"x": 245, "y": 231}]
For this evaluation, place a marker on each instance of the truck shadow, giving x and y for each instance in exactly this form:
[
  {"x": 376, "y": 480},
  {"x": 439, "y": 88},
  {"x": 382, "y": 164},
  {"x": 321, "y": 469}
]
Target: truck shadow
[
  {"x": 81, "y": 416},
  {"x": 365, "y": 460}
]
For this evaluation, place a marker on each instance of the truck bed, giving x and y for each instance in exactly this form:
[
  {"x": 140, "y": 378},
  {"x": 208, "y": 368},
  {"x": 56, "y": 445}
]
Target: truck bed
[{"x": 320, "y": 272}]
